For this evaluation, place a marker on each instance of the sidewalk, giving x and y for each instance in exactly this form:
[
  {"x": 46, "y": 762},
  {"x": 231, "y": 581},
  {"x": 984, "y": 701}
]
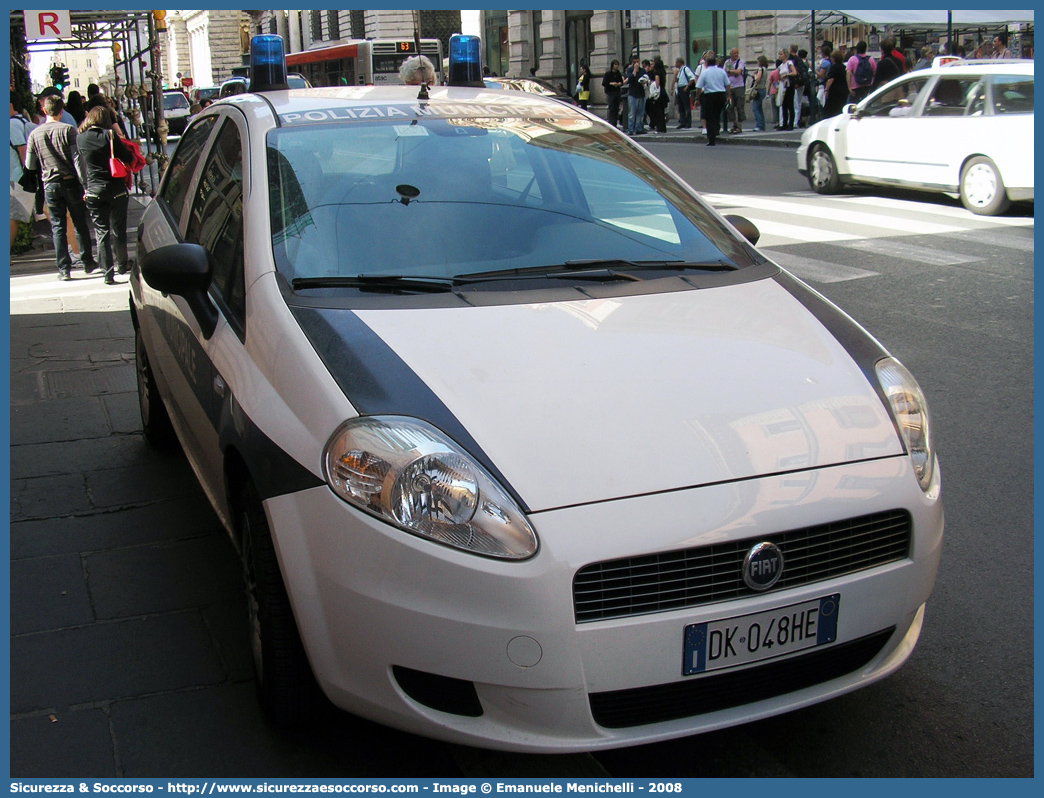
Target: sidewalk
[
  {"x": 129, "y": 653},
  {"x": 768, "y": 138}
]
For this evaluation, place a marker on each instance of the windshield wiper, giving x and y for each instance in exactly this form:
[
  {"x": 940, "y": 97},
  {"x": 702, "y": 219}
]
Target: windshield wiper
[
  {"x": 594, "y": 269},
  {"x": 378, "y": 282}
]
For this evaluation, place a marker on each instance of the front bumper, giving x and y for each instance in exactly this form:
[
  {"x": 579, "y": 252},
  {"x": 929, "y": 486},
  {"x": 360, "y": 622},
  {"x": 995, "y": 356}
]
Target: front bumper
[{"x": 371, "y": 600}]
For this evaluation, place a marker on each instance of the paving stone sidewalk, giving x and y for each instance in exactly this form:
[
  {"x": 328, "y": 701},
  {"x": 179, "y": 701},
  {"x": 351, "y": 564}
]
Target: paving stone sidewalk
[{"x": 129, "y": 654}]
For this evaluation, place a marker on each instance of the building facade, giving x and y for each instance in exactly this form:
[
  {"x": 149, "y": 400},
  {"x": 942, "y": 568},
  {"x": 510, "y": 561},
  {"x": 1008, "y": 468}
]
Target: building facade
[
  {"x": 204, "y": 46},
  {"x": 555, "y": 43},
  {"x": 306, "y": 30}
]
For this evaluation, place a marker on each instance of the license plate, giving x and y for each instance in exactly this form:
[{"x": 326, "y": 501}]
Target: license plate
[{"x": 762, "y": 635}]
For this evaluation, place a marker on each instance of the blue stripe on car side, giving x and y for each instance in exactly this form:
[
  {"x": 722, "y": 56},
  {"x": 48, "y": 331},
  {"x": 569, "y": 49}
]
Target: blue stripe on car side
[{"x": 378, "y": 382}]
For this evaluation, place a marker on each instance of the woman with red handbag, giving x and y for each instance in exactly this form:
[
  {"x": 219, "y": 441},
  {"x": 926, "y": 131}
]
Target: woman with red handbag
[{"x": 105, "y": 157}]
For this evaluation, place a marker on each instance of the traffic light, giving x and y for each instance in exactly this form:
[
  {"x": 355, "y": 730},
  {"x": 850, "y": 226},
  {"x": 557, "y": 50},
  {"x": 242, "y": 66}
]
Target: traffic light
[{"x": 59, "y": 76}]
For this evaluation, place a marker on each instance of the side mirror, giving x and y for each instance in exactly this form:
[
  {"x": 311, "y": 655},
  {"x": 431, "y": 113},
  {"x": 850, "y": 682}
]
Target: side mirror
[
  {"x": 745, "y": 226},
  {"x": 852, "y": 110},
  {"x": 183, "y": 270}
]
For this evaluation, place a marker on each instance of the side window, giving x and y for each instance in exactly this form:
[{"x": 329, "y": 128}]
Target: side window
[
  {"x": 216, "y": 221},
  {"x": 951, "y": 96},
  {"x": 183, "y": 165},
  {"x": 897, "y": 101},
  {"x": 1013, "y": 94}
]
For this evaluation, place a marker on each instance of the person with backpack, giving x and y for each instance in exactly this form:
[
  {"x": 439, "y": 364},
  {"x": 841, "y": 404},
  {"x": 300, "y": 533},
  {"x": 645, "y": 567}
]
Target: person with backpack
[
  {"x": 861, "y": 69},
  {"x": 21, "y": 200},
  {"x": 685, "y": 82}
]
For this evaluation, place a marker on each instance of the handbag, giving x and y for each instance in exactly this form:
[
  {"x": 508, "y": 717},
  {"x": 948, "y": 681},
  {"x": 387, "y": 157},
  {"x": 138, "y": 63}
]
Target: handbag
[{"x": 117, "y": 168}]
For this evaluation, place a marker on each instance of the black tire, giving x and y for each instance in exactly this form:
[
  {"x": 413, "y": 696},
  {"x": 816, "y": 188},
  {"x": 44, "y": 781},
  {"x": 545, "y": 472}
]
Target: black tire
[
  {"x": 155, "y": 421},
  {"x": 822, "y": 171},
  {"x": 286, "y": 688},
  {"x": 982, "y": 190}
]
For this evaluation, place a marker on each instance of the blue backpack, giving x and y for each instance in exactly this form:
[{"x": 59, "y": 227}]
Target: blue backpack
[{"x": 864, "y": 71}]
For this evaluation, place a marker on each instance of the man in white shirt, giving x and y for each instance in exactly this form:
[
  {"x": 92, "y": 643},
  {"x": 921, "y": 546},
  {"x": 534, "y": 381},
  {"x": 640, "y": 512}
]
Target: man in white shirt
[{"x": 712, "y": 89}]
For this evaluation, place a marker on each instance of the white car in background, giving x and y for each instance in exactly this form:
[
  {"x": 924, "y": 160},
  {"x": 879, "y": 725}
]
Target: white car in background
[{"x": 963, "y": 128}]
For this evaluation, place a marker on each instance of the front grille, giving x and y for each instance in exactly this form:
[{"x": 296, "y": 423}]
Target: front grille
[
  {"x": 692, "y": 577},
  {"x": 621, "y": 709}
]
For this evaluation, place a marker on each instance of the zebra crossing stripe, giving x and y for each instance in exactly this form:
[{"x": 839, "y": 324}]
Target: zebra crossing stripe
[
  {"x": 994, "y": 238},
  {"x": 818, "y": 271},
  {"x": 902, "y": 251},
  {"x": 882, "y": 224},
  {"x": 933, "y": 209}
]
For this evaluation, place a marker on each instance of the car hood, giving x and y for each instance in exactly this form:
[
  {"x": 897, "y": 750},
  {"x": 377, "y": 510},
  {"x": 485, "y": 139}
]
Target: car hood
[{"x": 587, "y": 401}]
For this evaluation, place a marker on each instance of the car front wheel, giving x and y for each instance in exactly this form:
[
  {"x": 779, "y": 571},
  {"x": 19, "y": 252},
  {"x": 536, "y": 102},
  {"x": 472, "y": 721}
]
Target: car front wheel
[
  {"x": 286, "y": 688},
  {"x": 982, "y": 190},
  {"x": 155, "y": 422},
  {"x": 822, "y": 171}
]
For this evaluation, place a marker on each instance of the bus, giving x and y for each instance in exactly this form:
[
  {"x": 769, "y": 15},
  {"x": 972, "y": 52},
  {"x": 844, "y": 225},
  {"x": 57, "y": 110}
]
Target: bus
[{"x": 362, "y": 62}]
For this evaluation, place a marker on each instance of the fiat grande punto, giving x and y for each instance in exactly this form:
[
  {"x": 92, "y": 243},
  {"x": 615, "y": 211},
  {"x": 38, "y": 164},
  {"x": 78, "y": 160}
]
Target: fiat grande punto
[{"x": 521, "y": 444}]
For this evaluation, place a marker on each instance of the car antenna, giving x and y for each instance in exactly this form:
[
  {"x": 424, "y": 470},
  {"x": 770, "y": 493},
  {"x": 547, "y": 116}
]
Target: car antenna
[{"x": 423, "y": 93}]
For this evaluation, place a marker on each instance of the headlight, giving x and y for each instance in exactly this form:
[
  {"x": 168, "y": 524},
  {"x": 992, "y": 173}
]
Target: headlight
[
  {"x": 910, "y": 411},
  {"x": 410, "y": 474}
]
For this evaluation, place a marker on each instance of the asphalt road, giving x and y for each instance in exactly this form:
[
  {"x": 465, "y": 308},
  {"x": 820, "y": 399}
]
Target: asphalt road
[{"x": 129, "y": 656}]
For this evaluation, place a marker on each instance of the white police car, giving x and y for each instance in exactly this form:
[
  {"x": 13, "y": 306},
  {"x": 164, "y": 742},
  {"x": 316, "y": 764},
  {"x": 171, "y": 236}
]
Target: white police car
[
  {"x": 522, "y": 445},
  {"x": 960, "y": 127}
]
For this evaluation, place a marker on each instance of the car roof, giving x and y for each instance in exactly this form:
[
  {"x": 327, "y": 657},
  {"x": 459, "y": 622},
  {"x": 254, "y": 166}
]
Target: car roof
[
  {"x": 1006, "y": 66},
  {"x": 346, "y": 103}
]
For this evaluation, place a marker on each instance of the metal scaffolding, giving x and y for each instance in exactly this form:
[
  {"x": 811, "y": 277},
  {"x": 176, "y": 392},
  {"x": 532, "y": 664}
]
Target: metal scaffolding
[{"x": 137, "y": 86}]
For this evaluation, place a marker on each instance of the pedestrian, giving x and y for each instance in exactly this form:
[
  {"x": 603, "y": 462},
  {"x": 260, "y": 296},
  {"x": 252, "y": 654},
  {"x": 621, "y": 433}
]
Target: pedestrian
[
  {"x": 889, "y": 66},
  {"x": 897, "y": 54},
  {"x": 822, "y": 68},
  {"x": 775, "y": 92},
  {"x": 22, "y": 201},
  {"x": 612, "y": 83},
  {"x": 105, "y": 101},
  {"x": 106, "y": 196},
  {"x": 761, "y": 74},
  {"x": 695, "y": 102},
  {"x": 1000, "y": 47},
  {"x": 712, "y": 89},
  {"x": 662, "y": 100},
  {"x": 74, "y": 105},
  {"x": 797, "y": 81},
  {"x": 861, "y": 69},
  {"x": 925, "y": 60},
  {"x": 417, "y": 70},
  {"x": 52, "y": 148},
  {"x": 787, "y": 85},
  {"x": 684, "y": 83},
  {"x": 583, "y": 87},
  {"x": 51, "y": 91},
  {"x": 736, "y": 69},
  {"x": 635, "y": 98},
  {"x": 836, "y": 86}
]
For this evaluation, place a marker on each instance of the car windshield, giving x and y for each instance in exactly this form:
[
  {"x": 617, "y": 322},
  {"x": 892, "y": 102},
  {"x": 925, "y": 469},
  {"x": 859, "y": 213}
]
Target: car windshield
[
  {"x": 174, "y": 101},
  {"x": 445, "y": 198}
]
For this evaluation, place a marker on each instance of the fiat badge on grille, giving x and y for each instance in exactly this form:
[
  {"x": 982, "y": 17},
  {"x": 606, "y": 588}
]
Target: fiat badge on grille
[{"x": 763, "y": 566}]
